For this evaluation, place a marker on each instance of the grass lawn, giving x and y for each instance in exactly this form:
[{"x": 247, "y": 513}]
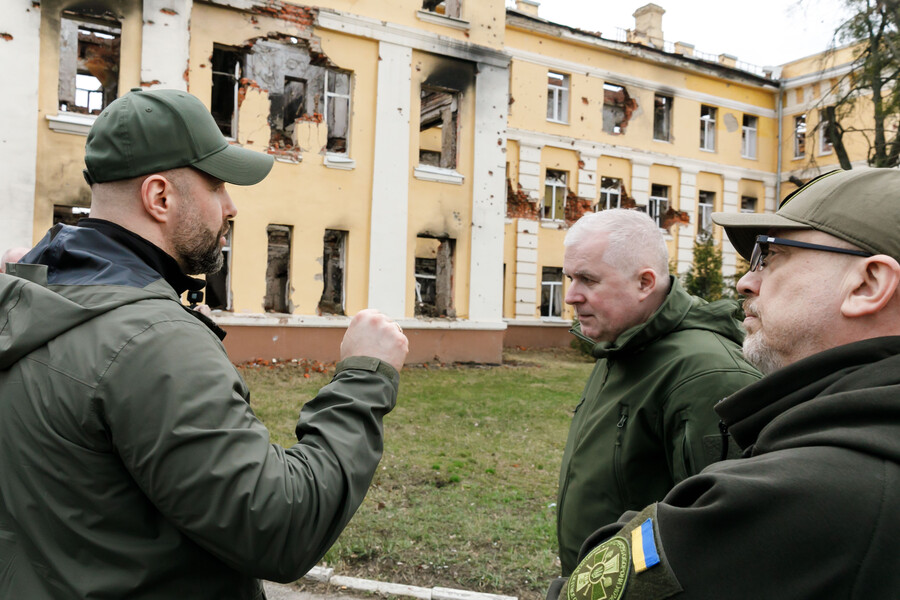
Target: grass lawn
[{"x": 465, "y": 493}]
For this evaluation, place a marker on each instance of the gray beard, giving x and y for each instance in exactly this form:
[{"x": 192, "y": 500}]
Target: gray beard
[{"x": 760, "y": 355}]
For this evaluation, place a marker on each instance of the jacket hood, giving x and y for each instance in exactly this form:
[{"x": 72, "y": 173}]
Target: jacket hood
[
  {"x": 678, "y": 311},
  {"x": 73, "y": 275},
  {"x": 847, "y": 396}
]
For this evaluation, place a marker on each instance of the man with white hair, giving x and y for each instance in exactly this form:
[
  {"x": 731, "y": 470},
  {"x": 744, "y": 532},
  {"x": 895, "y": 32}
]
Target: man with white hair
[
  {"x": 12, "y": 255},
  {"x": 812, "y": 510},
  {"x": 664, "y": 358}
]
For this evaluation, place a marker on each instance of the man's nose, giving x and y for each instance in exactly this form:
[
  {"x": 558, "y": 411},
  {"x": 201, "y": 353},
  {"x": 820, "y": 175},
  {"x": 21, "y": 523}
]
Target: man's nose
[
  {"x": 748, "y": 285},
  {"x": 228, "y": 207},
  {"x": 573, "y": 296}
]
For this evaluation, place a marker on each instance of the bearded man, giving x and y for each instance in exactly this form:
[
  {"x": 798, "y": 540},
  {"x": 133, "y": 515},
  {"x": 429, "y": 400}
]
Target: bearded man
[{"x": 133, "y": 466}]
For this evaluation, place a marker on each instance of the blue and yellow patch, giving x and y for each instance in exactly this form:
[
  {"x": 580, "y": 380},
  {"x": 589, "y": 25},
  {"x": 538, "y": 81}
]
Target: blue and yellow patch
[{"x": 643, "y": 547}]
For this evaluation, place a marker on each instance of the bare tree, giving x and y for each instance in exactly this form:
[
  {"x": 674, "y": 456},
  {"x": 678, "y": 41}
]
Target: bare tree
[{"x": 870, "y": 88}]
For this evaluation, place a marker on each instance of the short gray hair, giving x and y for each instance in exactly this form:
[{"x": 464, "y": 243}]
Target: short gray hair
[{"x": 635, "y": 240}]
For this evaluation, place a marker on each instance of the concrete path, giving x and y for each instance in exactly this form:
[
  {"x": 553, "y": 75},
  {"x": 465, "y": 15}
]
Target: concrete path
[{"x": 348, "y": 585}]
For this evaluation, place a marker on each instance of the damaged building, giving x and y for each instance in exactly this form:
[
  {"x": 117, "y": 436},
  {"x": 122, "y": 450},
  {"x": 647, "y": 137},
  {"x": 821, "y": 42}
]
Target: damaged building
[{"x": 427, "y": 165}]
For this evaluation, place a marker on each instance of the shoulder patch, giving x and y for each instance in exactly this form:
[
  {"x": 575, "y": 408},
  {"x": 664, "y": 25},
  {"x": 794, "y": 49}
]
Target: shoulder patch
[
  {"x": 643, "y": 547},
  {"x": 603, "y": 572}
]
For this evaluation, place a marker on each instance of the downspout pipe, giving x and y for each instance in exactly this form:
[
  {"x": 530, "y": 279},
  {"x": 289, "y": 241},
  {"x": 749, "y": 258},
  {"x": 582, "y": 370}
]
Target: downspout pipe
[{"x": 779, "y": 114}]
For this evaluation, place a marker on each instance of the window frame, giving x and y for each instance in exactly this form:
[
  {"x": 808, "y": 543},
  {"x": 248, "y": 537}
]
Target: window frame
[
  {"x": 607, "y": 193},
  {"x": 559, "y": 105},
  {"x": 662, "y": 116},
  {"x": 558, "y": 183},
  {"x": 799, "y": 136},
  {"x": 654, "y": 201},
  {"x": 706, "y": 204},
  {"x": 708, "y": 128},
  {"x": 349, "y": 98},
  {"x": 749, "y": 136},
  {"x": 554, "y": 292},
  {"x": 826, "y": 147}
]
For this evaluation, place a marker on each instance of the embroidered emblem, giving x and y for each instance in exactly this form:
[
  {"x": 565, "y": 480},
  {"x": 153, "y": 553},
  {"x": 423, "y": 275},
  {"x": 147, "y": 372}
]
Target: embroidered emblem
[
  {"x": 643, "y": 547},
  {"x": 602, "y": 574}
]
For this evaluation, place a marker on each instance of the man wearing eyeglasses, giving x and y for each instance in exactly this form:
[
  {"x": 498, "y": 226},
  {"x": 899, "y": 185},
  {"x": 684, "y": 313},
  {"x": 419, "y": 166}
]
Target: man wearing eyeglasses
[{"x": 812, "y": 510}]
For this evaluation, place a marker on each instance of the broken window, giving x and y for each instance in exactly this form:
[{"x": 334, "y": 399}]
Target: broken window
[
  {"x": 300, "y": 89},
  {"x": 218, "y": 285},
  {"x": 278, "y": 269},
  {"x": 89, "y": 44},
  {"x": 662, "y": 117},
  {"x": 748, "y": 136},
  {"x": 434, "y": 277},
  {"x": 617, "y": 108},
  {"x": 748, "y": 204},
  {"x": 658, "y": 203},
  {"x": 800, "y": 136},
  {"x": 825, "y": 144},
  {"x": 557, "y": 97},
  {"x": 554, "y": 195},
  {"x": 438, "y": 122},
  {"x": 704, "y": 213},
  {"x": 551, "y": 292},
  {"x": 610, "y": 193},
  {"x": 707, "y": 127},
  {"x": 448, "y": 8},
  {"x": 337, "y": 109},
  {"x": 69, "y": 215},
  {"x": 226, "y": 77},
  {"x": 333, "y": 265}
]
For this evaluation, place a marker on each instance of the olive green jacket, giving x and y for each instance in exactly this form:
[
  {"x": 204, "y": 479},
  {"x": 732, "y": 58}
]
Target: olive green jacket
[
  {"x": 646, "y": 419},
  {"x": 132, "y": 464}
]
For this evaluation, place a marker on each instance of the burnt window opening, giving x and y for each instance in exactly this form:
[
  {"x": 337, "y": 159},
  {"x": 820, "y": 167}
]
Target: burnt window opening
[
  {"x": 69, "y": 215},
  {"x": 278, "y": 269},
  {"x": 551, "y": 292},
  {"x": 448, "y": 8},
  {"x": 617, "y": 108},
  {"x": 301, "y": 88},
  {"x": 434, "y": 277},
  {"x": 333, "y": 267},
  {"x": 337, "y": 109},
  {"x": 438, "y": 122},
  {"x": 218, "y": 284},
  {"x": 658, "y": 203},
  {"x": 293, "y": 101},
  {"x": 748, "y": 204},
  {"x": 662, "y": 118},
  {"x": 227, "y": 64},
  {"x": 555, "y": 192},
  {"x": 88, "y": 61}
]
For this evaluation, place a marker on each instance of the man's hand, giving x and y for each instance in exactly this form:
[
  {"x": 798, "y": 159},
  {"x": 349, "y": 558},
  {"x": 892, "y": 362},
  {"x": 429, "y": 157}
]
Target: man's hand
[{"x": 372, "y": 334}]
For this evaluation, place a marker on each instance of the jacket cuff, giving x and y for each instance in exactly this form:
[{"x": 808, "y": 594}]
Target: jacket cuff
[{"x": 367, "y": 363}]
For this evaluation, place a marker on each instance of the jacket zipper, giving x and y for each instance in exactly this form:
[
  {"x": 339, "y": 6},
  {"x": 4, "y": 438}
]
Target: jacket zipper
[
  {"x": 617, "y": 454},
  {"x": 723, "y": 429}
]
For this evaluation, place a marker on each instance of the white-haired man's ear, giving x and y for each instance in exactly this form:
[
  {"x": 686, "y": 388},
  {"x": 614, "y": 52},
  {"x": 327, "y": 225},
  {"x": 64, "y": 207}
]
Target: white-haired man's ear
[{"x": 870, "y": 286}]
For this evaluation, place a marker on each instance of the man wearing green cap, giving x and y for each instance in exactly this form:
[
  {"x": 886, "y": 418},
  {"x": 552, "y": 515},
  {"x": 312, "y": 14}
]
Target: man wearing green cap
[
  {"x": 812, "y": 510},
  {"x": 133, "y": 466}
]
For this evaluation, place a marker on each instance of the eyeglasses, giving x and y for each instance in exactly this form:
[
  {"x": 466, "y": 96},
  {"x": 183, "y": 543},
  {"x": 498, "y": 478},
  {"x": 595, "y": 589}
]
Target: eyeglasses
[{"x": 761, "y": 249}]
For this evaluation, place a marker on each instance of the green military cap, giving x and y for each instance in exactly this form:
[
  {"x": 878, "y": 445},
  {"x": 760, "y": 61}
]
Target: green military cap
[
  {"x": 148, "y": 131},
  {"x": 861, "y": 207}
]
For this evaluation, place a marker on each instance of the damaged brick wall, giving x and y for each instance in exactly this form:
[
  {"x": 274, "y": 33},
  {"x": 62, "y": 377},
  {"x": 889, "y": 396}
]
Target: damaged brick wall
[{"x": 518, "y": 206}]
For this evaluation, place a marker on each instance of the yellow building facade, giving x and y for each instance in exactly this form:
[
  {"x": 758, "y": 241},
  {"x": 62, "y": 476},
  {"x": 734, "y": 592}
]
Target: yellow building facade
[{"x": 429, "y": 158}]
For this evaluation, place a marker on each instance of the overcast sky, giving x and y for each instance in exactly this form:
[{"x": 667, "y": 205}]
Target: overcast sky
[{"x": 760, "y": 32}]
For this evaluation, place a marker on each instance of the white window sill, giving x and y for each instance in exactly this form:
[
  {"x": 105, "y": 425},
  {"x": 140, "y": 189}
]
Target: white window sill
[
  {"x": 339, "y": 161},
  {"x": 710, "y": 150},
  {"x": 553, "y": 320},
  {"x": 73, "y": 123},
  {"x": 748, "y": 157},
  {"x": 663, "y": 141},
  {"x": 430, "y": 173},
  {"x": 801, "y": 157},
  {"x": 828, "y": 153},
  {"x": 549, "y": 120},
  {"x": 439, "y": 19}
]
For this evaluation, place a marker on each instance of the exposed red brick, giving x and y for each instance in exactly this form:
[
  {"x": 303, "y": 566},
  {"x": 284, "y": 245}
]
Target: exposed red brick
[
  {"x": 518, "y": 205},
  {"x": 305, "y": 16},
  {"x": 6, "y": 36},
  {"x": 168, "y": 11},
  {"x": 576, "y": 207},
  {"x": 149, "y": 83},
  {"x": 675, "y": 217}
]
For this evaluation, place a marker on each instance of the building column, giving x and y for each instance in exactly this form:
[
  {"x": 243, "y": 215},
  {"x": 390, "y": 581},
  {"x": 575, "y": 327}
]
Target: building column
[
  {"x": 640, "y": 182},
  {"x": 730, "y": 204},
  {"x": 165, "y": 46},
  {"x": 687, "y": 198},
  {"x": 587, "y": 176},
  {"x": 488, "y": 194},
  {"x": 390, "y": 182},
  {"x": 20, "y": 54},
  {"x": 526, "y": 268}
]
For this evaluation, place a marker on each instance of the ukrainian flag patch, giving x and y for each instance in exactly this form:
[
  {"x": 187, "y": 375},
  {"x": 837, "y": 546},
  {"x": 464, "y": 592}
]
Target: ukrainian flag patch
[{"x": 643, "y": 547}]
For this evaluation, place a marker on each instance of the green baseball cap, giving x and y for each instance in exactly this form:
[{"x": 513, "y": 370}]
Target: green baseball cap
[
  {"x": 861, "y": 207},
  {"x": 148, "y": 131}
]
